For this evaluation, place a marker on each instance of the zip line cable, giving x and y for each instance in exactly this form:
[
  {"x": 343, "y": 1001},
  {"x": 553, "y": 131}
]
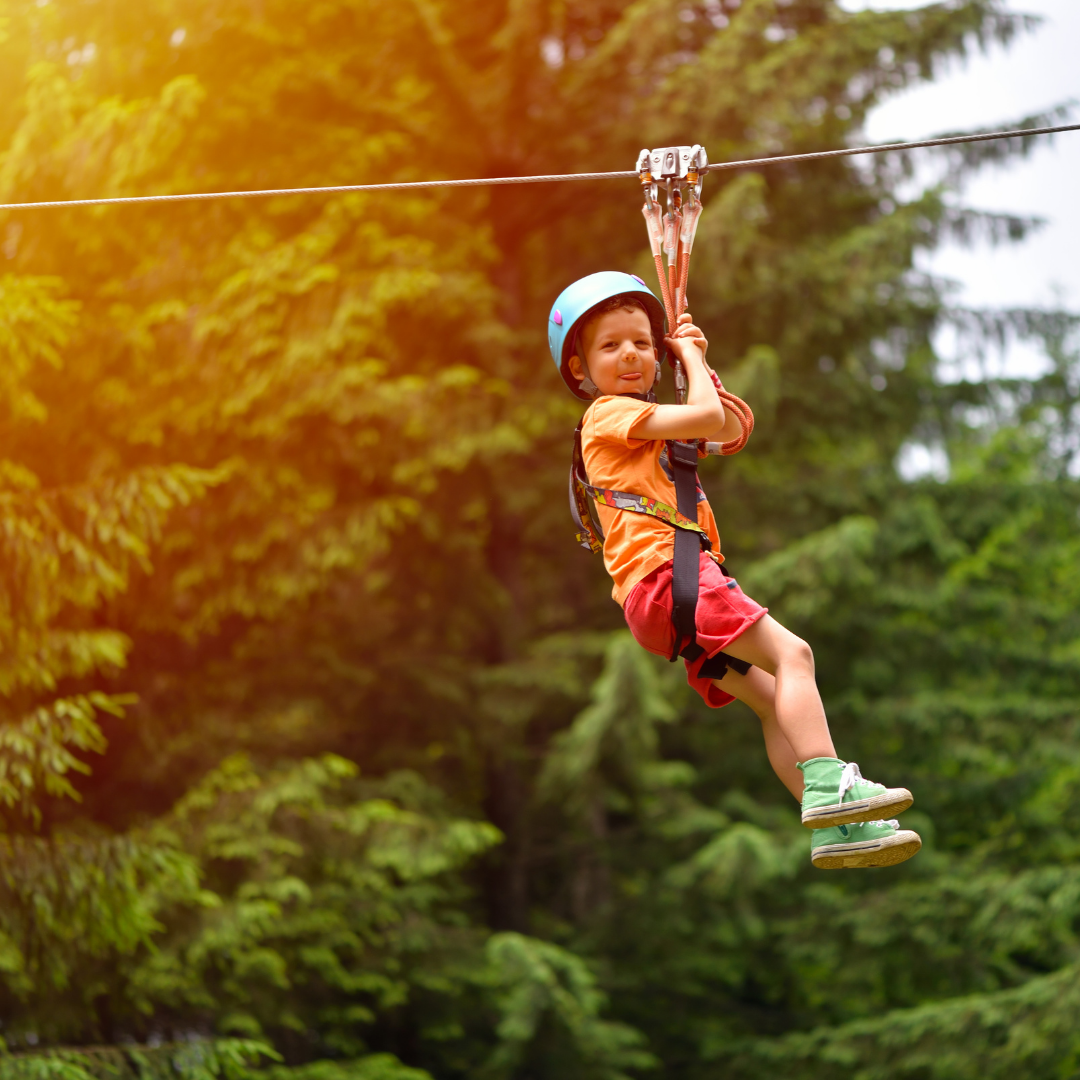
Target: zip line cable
[{"x": 495, "y": 181}]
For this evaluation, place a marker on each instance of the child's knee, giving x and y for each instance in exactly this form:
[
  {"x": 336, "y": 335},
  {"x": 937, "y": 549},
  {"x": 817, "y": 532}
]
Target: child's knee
[{"x": 798, "y": 654}]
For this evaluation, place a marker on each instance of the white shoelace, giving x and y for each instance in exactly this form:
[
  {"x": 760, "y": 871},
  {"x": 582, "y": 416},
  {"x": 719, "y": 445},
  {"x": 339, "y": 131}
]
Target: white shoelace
[{"x": 849, "y": 777}]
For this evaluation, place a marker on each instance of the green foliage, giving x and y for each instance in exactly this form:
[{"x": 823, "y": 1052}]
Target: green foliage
[
  {"x": 1030, "y": 1031},
  {"x": 372, "y": 1067},
  {"x": 35, "y": 323},
  {"x": 550, "y": 1023},
  {"x": 71, "y": 905},
  {"x": 229, "y": 1059},
  {"x": 35, "y": 751},
  {"x": 618, "y": 730},
  {"x": 322, "y": 908},
  {"x": 316, "y": 730}
]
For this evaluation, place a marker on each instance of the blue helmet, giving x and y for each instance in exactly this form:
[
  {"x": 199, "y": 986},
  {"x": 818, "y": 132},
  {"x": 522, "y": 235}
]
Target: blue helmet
[{"x": 577, "y": 300}]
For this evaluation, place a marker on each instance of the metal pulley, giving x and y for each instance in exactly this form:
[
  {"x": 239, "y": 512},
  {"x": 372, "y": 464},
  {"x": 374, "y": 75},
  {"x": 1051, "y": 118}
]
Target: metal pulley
[{"x": 680, "y": 170}]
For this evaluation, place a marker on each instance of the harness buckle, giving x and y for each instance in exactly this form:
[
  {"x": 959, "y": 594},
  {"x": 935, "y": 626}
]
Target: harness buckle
[{"x": 683, "y": 453}]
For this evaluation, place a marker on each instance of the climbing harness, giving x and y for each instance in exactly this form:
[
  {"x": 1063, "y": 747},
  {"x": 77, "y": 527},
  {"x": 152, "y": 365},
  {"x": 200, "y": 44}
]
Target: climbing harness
[
  {"x": 581, "y": 491},
  {"x": 690, "y": 539},
  {"x": 680, "y": 170}
]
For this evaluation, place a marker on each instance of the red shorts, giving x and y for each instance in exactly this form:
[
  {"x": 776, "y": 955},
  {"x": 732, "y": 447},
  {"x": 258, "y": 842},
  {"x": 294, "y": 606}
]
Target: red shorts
[{"x": 724, "y": 611}]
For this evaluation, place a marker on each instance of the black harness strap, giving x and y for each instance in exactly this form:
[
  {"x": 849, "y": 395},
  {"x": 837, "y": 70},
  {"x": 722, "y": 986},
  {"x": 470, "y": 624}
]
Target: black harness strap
[
  {"x": 686, "y": 565},
  {"x": 716, "y": 667}
]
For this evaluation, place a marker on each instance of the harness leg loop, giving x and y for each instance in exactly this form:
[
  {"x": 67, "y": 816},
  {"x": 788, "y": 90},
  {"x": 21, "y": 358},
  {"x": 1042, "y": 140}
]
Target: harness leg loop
[{"x": 686, "y": 564}]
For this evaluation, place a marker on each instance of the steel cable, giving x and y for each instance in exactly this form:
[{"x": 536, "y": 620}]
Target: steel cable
[{"x": 494, "y": 181}]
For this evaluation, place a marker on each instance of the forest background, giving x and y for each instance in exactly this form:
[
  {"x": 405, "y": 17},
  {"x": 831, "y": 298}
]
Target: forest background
[{"x": 322, "y": 752}]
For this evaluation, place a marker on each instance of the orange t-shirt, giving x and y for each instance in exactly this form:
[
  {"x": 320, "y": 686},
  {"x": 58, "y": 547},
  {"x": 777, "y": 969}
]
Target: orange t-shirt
[{"x": 634, "y": 544}]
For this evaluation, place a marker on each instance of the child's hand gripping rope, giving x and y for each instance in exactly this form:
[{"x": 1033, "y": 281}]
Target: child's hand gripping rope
[{"x": 736, "y": 437}]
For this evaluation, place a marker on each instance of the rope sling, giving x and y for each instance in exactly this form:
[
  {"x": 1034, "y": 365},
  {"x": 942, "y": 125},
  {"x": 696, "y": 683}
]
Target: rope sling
[{"x": 681, "y": 170}]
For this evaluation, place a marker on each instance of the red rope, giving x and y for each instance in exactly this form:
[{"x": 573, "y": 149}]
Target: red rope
[
  {"x": 665, "y": 295},
  {"x": 744, "y": 415},
  {"x": 684, "y": 275}
]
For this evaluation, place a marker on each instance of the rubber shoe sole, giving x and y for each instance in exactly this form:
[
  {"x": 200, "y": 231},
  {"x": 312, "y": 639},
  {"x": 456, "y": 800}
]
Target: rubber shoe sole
[
  {"x": 885, "y": 851},
  {"x": 894, "y": 801}
]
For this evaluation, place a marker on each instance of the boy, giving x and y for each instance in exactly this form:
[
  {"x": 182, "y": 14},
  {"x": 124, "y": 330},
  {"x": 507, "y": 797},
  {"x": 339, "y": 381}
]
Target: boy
[{"x": 603, "y": 333}]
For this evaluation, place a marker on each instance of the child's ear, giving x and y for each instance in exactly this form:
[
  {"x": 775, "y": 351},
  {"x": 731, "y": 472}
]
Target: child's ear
[{"x": 574, "y": 364}]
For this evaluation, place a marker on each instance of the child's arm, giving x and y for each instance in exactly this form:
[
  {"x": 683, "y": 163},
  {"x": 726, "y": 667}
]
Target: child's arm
[{"x": 703, "y": 416}]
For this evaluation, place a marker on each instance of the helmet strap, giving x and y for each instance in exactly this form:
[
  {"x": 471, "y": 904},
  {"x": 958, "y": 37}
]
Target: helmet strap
[{"x": 586, "y": 386}]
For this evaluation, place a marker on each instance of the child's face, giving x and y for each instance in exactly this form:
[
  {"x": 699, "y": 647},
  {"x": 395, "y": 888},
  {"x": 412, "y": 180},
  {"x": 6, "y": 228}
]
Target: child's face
[{"x": 619, "y": 352}]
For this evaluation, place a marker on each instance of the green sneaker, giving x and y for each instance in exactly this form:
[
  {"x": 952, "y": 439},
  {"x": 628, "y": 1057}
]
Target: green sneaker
[
  {"x": 837, "y": 794},
  {"x": 871, "y": 843}
]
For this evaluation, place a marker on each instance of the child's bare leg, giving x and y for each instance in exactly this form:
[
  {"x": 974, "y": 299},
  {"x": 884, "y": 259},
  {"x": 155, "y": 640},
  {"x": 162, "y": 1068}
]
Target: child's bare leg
[
  {"x": 757, "y": 688},
  {"x": 837, "y": 803},
  {"x": 799, "y": 712}
]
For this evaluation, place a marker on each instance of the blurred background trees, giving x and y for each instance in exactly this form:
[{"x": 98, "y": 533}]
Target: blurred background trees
[{"x": 320, "y": 737}]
